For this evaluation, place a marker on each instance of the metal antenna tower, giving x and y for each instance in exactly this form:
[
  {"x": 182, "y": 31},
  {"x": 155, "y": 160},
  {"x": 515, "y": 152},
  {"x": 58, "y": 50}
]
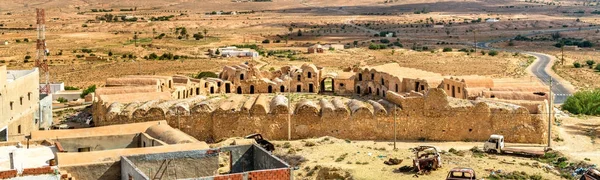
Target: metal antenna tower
[{"x": 42, "y": 62}]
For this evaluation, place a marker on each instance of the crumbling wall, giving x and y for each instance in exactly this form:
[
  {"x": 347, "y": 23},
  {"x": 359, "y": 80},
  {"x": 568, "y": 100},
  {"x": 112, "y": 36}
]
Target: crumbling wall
[{"x": 429, "y": 116}]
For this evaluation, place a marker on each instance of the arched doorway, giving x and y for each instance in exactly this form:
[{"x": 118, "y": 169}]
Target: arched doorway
[
  {"x": 251, "y": 89},
  {"x": 370, "y": 90},
  {"x": 212, "y": 89},
  {"x": 311, "y": 88},
  {"x": 298, "y": 88},
  {"x": 377, "y": 91},
  {"x": 327, "y": 85},
  {"x": 239, "y": 90},
  {"x": 270, "y": 89},
  {"x": 197, "y": 91},
  {"x": 241, "y": 76},
  {"x": 357, "y": 89},
  {"x": 282, "y": 88},
  {"x": 227, "y": 88}
]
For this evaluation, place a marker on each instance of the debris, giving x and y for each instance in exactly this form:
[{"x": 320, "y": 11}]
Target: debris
[{"x": 393, "y": 161}]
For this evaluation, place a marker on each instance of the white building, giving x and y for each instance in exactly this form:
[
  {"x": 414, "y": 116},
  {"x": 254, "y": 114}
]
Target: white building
[
  {"x": 491, "y": 20},
  {"x": 233, "y": 51}
]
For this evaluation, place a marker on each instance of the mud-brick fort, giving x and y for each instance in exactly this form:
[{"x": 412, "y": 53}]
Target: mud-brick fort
[{"x": 309, "y": 101}]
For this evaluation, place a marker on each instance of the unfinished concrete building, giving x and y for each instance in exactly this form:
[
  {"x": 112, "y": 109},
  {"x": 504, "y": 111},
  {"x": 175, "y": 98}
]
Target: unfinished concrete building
[{"x": 22, "y": 108}]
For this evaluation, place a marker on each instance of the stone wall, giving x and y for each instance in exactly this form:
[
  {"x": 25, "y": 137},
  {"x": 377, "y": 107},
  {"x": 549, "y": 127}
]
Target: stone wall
[{"x": 432, "y": 116}]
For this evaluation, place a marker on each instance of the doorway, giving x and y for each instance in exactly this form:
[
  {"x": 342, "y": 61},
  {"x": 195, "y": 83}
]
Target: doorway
[
  {"x": 251, "y": 89},
  {"x": 270, "y": 89},
  {"x": 310, "y": 88},
  {"x": 227, "y": 88},
  {"x": 327, "y": 85},
  {"x": 239, "y": 90},
  {"x": 298, "y": 88}
]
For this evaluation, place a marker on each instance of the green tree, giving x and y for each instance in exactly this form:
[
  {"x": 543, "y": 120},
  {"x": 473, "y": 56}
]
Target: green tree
[
  {"x": 207, "y": 74},
  {"x": 576, "y": 64},
  {"x": 110, "y": 53},
  {"x": 493, "y": 53},
  {"x": 584, "y": 102},
  {"x": 87, "y": 91},
  {"x": 447, "y": 49},
  {"x": 62, "y": 100}
]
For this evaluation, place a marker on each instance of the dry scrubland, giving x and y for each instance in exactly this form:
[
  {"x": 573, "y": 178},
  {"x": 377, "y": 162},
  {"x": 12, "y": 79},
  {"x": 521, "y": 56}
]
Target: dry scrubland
[{"x": 69, "y": 31}]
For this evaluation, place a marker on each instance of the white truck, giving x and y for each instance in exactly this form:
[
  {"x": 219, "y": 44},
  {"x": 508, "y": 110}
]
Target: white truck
[{"x": 495, "y": 145}]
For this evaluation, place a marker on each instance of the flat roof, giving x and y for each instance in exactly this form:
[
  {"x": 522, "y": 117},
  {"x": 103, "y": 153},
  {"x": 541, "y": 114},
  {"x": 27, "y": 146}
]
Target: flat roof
[
  {"x": 12, "y": 75},
  {"x": 33, "y": 157},
  {"x": 395, "y": 69}
]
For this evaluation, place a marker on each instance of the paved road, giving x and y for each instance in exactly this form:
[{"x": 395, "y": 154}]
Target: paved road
[{"x": 539, "y": 67}]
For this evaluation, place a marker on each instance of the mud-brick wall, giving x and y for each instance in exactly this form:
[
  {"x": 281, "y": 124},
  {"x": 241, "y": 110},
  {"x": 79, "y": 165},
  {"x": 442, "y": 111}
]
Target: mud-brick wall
[{"x": 427, "y": 117}]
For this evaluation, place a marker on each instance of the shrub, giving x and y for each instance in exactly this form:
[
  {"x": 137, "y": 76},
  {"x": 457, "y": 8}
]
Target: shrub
[
  {"x": 84, "y": 25},
  {"x": 309, "y": 144},
  {"x": 341, "y": 158},
  {"x": 384, "y": 41},
  {"x": 266, "y": 41},
  {"x": 590, "y": 63},
  {"x": 207, "y": 74},
  {"x": 447, "y": 49},
  {"x": 493, "y": 53},
  {"x": 577, "y": 64},
  {"x": 482, "y": 52},
  {"x": 71, "y": 88},
  {"x": 598, "y": 67},
  {"x": 583, "y": 102},
  {"x": 110, "y": 53},
  {"x": 62, "y": 100},
  {"x": 87, "y": 91},
  {"x": 287, "y": 145},
  {"x": 27, "y": 57}
]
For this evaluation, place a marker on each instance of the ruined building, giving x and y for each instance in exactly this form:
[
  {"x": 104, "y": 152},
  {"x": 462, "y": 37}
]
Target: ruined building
[{"x": 425, "y": 105}]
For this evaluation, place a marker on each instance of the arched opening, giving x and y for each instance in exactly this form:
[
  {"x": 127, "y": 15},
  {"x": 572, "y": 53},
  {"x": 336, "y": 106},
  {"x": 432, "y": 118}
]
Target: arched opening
[
  {"x": 383, "y": 93},
  {"x": 218, "y": 84},
  {"x": 357, "y": 89},
  {"x": 299, "y": 77},
  {"x": 169, "y": 84},
  {"x": 212, "y": 89},
  {"x": 453, "y": 91},
  {"x": 227, "y": 88},
  {"x": 282, "y": 88},
  {"x": 270, "y": 89},
  {"x": 197, "y": 91},
  {"x": 298, "y": 88},
  {"x": 372, "y": 76},
  {"x": 396, "y": 87},
  {"x": 417, "y": 86},
  {"x": 370, "y": 91},
  {"x": 360, "y": 77},
  {"x": 327, "y": 85},
  {"x": 241, "y": 76},
  {"x": 251, "y": 89},
  {"x": 239, "y": 90},
  {"x": 206, "y": 84},
  {"x": 377, "y": 91},
  {"x": 309, "y": 74},
  {"x": 311, "y": 88},
  {"x": 382, "y": 82}
]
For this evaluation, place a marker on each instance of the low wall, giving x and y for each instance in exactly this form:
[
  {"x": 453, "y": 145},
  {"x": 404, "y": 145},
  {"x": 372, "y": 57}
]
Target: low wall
[{"x": 430, "y": 117}]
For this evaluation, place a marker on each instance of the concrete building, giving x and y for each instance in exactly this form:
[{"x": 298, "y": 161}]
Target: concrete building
[
  {"x": 55, "y": 87},
  {"x": 233, "y": 51},
  {"x": 35, "y": 160},
  {"x": 21, "y": 111},
  {"x": 317, "y": 48}
]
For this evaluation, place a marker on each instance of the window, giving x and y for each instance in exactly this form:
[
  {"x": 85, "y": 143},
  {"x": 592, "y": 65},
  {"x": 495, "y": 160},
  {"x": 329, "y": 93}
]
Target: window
[
  {"x": 359, "y": 77},
  {"x": 341, "y": 84},
  {"x": 143, "y": 144},
  {"x": 458, "y": 89},
  {"x": 21, "y": 100},
  {"x": 448, "y": 86},
  {"x": 29, "y": 96},
  {"x": 19, "y": 129},
  {"x": 299, "y": 77},
  {"x": 396, "y": 87},
  {"x": 382, "y": 82},
  {"x": 282, "y": 88},
  {"x": 206, "y": 84},
  {"x": 11, "y": 105},
  {"x": 241, "y": 76},
  {"x": 218, "y": 84},
  {"x": 372, "y": 76},
  {"x": 309, "y": 75}
]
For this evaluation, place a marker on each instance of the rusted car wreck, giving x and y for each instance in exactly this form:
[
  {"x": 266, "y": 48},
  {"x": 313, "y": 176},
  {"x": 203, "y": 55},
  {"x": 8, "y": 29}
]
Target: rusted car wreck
[{"x": 427, "y": 158}]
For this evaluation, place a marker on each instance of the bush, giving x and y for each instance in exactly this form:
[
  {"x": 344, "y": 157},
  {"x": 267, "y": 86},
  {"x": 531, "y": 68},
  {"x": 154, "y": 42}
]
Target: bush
[
  {"x": 87, "y": 91},
  {"x": 384, "y": 41},
  {"x": 266, "y": 41},
  {"x": 447, "y": 49},
  {"x": 62, "y": 100},
  {"x": 598, "y": 67},
  {"x": 27, "y": 57},
  {"x": 493, "y": 53},
  {"x": 583, "y": 102},
  {"x": 577, "y": 64},
  {"x": 71, "y": 88},
  {"x": 207, "y": 74},
  {"x": 482, "y": 52},
  {"x": 590, "y": 63}
]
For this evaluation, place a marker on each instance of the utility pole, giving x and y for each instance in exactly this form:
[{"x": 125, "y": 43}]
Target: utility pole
[
  {"x": 551, "y": 108},
  {"x": 395, "y": 106},
  {"x": 475, "y": 40}
]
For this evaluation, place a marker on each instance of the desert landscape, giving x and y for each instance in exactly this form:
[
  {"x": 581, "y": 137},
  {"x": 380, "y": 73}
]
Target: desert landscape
[{"x": 323, "y": 81}]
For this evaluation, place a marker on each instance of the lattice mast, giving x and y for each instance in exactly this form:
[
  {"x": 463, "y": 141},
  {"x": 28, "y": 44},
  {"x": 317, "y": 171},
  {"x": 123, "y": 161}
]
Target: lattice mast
[{"x": 42, "y": 62}]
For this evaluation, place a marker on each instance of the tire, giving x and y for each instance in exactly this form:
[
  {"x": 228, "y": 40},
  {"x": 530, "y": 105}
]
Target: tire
[{"x": 492, "y": 151}]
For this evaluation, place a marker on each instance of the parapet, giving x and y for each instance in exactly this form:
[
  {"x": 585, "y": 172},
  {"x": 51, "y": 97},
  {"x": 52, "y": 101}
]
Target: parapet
[{"x": 110, "y": 82}]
